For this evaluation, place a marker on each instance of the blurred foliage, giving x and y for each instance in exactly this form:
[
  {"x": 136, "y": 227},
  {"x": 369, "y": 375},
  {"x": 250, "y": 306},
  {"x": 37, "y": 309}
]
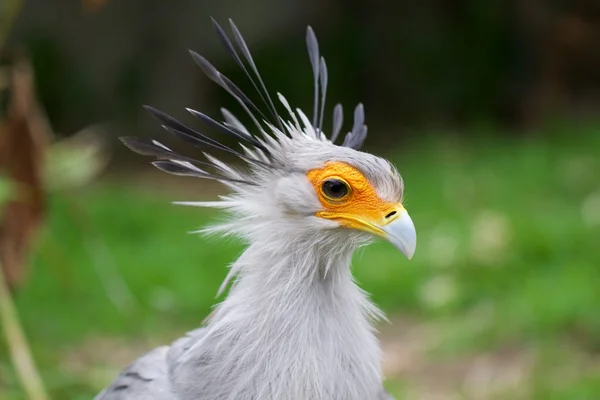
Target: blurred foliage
[
  {"x": 507, "y": 255},
  {"x": 77, "y": 160},
  {"x": 428, "y": 63},
  {"x": 6, "y": 189},
  {"x": 66, "y": 96}
]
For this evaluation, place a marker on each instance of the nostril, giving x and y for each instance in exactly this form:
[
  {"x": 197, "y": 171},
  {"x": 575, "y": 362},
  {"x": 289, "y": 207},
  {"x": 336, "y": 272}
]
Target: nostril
[{"x": 390, "y": 215}]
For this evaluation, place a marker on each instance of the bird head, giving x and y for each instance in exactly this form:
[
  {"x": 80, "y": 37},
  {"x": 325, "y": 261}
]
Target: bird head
[{"x": 296, "y": 180}]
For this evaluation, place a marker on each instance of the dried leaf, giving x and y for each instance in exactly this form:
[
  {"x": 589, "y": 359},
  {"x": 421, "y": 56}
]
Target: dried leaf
[{"x": 24, "y": 135}]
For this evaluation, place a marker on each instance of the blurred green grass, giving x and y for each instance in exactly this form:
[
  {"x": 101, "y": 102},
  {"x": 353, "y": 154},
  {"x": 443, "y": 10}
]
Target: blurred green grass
[{"x": 508, "y": 253}]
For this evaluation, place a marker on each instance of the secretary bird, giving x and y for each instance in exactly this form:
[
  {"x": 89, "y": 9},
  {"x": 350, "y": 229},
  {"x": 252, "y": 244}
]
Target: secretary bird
[{"x": 294, "y": 325}]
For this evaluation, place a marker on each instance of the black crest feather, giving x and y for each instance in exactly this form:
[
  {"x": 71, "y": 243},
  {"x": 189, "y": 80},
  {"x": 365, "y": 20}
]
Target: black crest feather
[{"x": 238, "y": 49}]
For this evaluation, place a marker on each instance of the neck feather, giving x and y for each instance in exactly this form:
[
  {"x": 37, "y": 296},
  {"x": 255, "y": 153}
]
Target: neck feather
[{"x": 294, "y": 325}]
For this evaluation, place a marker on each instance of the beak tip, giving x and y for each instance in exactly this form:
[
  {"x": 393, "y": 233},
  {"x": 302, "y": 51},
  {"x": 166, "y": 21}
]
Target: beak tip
[
  {"x": 409, "y": 251},
  {"x": 403, "y": 235}
]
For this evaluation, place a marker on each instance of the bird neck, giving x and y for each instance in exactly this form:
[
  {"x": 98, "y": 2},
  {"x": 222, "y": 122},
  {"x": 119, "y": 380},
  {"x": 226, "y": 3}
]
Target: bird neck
[
  {"x": 301, "y": 276},
  {"x": 294, "y": 325}
]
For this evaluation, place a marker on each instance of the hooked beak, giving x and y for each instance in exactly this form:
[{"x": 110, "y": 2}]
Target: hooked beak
[
  {"x": 396, "y": 227},
  {"x": 401, "y": 233}
]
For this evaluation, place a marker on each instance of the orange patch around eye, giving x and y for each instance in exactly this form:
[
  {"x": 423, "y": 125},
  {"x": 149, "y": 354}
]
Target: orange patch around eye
[{"x": 362, "y": 201}]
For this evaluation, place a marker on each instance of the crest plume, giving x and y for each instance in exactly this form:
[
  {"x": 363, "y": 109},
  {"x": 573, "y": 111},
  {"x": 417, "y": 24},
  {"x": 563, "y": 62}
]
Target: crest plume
[{"x": 258, "y": 146}]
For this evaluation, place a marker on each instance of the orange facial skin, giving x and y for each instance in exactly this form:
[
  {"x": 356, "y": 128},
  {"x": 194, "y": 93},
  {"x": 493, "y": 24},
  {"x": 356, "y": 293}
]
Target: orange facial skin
[{"x": 361, "y": 208}]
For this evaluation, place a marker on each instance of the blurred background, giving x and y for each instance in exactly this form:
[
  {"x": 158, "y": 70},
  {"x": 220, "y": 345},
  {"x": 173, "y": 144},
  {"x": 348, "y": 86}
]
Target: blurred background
[{"x": 490, "y": 110}]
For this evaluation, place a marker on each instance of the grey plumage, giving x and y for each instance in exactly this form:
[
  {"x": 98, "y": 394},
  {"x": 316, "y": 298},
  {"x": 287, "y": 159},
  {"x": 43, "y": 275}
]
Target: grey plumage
[
  {"x": 338, "y": 120},
  {"x": 148, "y": 377},
  {"x": 294, "y": 324},
  {"x": 357, "y": 136},
  {"x": 323, "y": 83}
]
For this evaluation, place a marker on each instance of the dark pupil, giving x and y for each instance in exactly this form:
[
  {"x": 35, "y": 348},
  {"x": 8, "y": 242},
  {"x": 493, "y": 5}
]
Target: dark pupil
[{"x": 335, "y": 189}]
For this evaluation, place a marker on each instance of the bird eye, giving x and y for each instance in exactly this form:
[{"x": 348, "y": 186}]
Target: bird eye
[{"x": 335, "y": 189}]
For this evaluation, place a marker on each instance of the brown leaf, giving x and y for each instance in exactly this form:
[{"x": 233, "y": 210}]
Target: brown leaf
[{"x": 24, "y": 135}]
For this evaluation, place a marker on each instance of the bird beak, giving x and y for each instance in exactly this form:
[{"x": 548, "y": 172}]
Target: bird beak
[
  {"x": 396, "y": 226},
  {"x": 400, "y": 231}
]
